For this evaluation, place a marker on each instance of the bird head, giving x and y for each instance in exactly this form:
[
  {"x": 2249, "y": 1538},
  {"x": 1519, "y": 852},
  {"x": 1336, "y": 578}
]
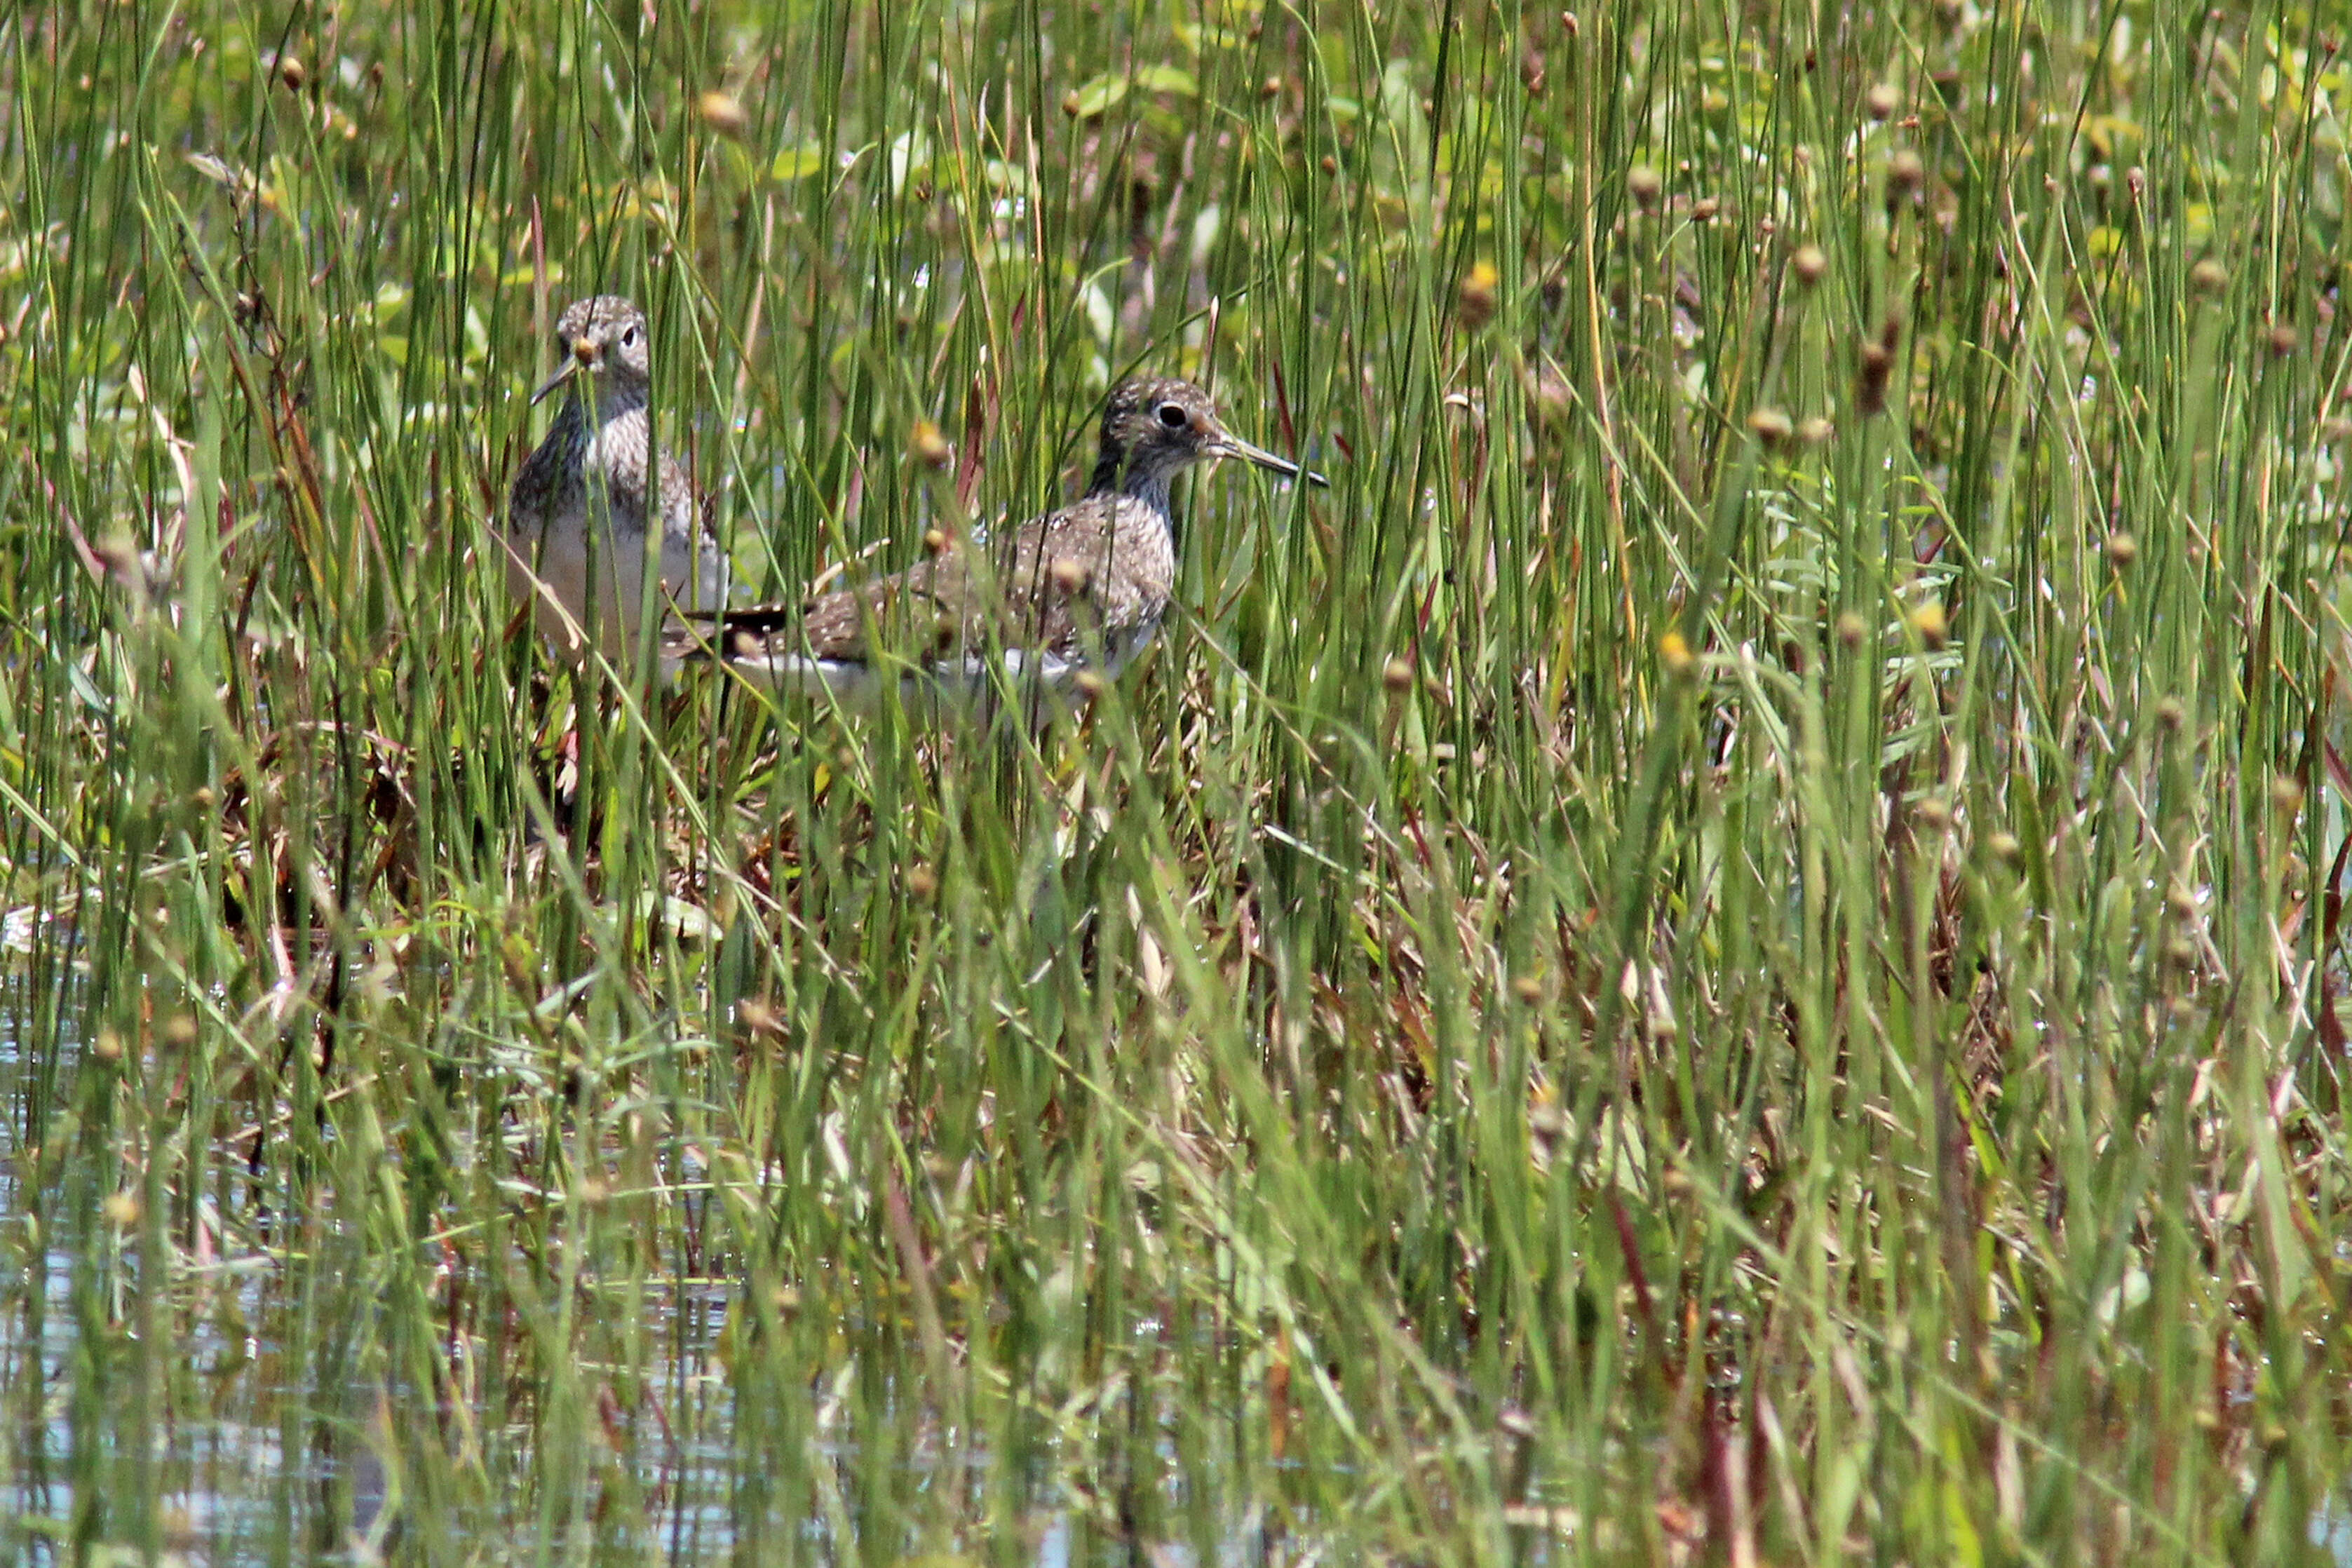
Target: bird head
[
  {"x": 1154, "y": 427},
  {"x": 602, "y": 337}
]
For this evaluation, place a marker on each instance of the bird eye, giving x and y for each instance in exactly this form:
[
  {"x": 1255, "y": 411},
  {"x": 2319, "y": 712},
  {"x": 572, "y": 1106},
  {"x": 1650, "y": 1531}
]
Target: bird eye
[
  {"x": 628, "y": 337},
  {"x": 1173, "y": 415}
]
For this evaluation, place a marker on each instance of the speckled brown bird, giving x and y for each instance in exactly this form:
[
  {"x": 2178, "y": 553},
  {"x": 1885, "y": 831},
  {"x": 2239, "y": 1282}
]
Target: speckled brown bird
[
  {"x": 1082, "y": 588},
  {"x": 575, "y": 530}
]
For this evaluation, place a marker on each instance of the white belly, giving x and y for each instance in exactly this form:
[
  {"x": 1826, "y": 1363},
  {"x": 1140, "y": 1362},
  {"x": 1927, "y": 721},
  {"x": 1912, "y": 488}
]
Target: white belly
[
  {"x": 965, "y": 683},
  {"x": 587, "y": 592}
]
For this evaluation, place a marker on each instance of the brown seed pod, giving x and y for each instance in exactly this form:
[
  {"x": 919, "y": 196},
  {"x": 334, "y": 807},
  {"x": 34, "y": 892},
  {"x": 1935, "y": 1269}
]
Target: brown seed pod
[
  {"x": 1904, "y": 174},
  {"x": 1877, "y": 368}
]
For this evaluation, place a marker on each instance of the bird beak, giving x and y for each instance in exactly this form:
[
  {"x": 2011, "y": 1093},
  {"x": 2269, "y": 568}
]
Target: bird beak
[
  {"x": 583, "y": 357},
  {"x": 1228, "y": 445},
  {"x": 552, "y": 382}
]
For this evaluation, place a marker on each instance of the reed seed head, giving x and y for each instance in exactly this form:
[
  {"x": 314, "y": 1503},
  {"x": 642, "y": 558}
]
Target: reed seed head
[
  {"x": 928, "y": 447},
  {"x": 723, "y": 112},
  {"x": 1475, "y": 305},
  {"x": 1904, "y": 174}
]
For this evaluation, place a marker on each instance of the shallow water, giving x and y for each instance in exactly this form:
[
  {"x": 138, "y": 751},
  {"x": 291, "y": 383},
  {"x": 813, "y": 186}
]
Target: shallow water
[{"x": 272, "y": 1429}]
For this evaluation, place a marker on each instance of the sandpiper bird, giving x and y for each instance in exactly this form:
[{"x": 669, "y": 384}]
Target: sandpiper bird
[
  {"x": 577, "y": 518},
  {"x": 1082, "y": 589}
]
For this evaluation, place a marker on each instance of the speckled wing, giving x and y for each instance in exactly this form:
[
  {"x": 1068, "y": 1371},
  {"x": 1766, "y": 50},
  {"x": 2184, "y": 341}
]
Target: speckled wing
[
  {"x": 1099, "y": 569},
  {"x": 917, "y": 613}
]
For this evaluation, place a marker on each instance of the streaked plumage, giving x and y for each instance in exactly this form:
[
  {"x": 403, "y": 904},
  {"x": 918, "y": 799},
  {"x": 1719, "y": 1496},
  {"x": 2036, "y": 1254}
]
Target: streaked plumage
[
  {"x": 576, "y": 518},
  {"x": 1084, "y": 587}
]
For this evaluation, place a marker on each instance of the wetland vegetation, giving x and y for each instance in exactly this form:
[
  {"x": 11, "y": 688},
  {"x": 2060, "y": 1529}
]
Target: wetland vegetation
[{"x": 1728, "y": 951}]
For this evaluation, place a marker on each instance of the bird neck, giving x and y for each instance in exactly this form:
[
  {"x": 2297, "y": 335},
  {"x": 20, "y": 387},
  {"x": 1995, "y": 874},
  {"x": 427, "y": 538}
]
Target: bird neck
[
  {"x": 1115, "y": 475},
  {"x": 606, "y": 399}
]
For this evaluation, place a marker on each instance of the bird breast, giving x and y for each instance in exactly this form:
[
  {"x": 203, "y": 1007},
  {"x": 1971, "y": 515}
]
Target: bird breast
[{"x": 613, "y": 465}]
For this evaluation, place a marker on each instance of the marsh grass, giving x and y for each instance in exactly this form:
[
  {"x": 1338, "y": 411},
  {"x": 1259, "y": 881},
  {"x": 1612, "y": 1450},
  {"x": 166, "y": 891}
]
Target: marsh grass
[{"x": 1727, "y": 952}]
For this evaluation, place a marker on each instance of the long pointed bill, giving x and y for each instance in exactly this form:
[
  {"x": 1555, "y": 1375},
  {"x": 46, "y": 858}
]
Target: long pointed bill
[
  {"x": 1228, "y": 445},
  {"x": 552, "y": 382}
]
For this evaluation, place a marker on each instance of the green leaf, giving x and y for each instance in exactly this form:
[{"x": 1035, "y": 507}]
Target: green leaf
[
  {"x": 1097, "y": 97},
  {"x": 1107, "y": 91},
  {"x": 797, "y": 163},
  {"x": 1168, "y": 79}
]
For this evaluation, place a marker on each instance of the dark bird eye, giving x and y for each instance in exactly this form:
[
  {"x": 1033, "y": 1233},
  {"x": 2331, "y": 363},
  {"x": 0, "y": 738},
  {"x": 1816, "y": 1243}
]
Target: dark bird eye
[
  {"x": 1173, "y": 415},
  {"x": 628, "y": 337}
]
